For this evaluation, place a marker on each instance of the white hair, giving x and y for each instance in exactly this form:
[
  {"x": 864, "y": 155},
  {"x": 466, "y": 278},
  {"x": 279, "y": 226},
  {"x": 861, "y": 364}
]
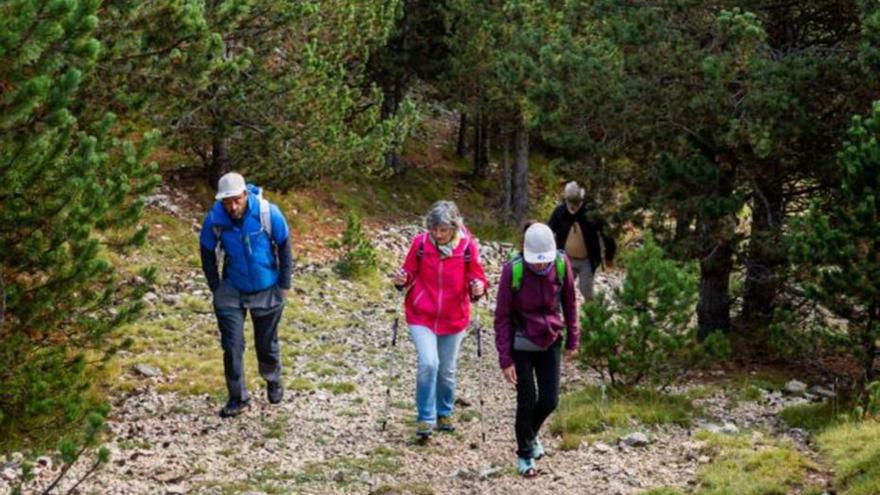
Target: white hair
[
  {"x": 573, "y": 191},
  {"x": 444, "y": 213}
]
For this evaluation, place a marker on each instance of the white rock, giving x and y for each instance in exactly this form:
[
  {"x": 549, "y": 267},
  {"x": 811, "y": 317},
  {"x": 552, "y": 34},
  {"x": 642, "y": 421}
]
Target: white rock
[
  {"x": 147, "y": 370},
  {"x": 636, "y": 439},
  {"x": 729, "y": 429},
  {"x": 795, "y": 387}
]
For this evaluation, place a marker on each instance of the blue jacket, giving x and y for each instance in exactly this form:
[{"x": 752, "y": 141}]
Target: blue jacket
[{"x": 250, "y": 263}]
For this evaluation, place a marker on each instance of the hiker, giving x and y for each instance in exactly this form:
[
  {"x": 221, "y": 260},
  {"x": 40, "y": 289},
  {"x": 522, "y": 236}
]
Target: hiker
[
  {"x": 577, "y": 228},
  {"x": 442, "y": 273},
  {"x": 251, "y": 237},
  {"x": 535, "y": 305}
]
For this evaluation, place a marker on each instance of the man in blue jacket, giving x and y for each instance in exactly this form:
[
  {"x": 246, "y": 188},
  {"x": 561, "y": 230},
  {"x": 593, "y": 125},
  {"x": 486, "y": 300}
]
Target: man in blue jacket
[{"x": 249, "y": 237}]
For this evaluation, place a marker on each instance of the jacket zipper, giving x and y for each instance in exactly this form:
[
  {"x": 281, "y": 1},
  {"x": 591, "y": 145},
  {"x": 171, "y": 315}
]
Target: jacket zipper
[{"x": 440, "y": 296}]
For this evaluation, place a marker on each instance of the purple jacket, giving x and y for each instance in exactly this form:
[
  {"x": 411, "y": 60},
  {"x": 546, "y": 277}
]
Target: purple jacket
[{"x": 535, "y": 308}]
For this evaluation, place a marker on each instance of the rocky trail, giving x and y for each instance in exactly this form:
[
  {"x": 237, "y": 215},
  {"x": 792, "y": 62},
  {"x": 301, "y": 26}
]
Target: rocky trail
[{"x": 328, "y": 439}]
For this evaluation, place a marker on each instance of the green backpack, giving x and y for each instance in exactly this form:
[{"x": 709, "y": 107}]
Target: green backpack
[{"x": 517, "y": 262}]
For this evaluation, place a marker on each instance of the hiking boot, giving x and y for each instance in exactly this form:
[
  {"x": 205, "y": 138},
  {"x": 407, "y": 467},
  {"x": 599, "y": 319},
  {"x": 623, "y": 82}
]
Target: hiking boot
[
  {"x": 537, "y": 449},
  {"x": 444, "y": 423},
  {"x": 274, "y": 392},
  {"x": 526, "y": 467},
  {"x": 234, "y": 407},
  {"x": 423, "y": 431}
]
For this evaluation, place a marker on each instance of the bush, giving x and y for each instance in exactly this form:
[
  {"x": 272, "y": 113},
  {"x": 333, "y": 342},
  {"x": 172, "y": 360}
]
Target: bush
[
  {"x": 358, "y": 256},
  {"x": 645, "y": 332}
]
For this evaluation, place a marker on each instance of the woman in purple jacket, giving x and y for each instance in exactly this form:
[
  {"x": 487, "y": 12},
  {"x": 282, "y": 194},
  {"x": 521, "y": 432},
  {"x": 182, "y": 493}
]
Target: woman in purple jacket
[{"x": 536, "y": 302}]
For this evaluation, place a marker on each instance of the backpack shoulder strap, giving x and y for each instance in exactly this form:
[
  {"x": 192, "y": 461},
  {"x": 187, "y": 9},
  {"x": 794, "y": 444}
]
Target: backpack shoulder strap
[
  {"x": 421, "y": 249},
  {"x": 516, "y": 272},
  {"x": 266, "y": 216},
  {"x": 560, "y": 267}
]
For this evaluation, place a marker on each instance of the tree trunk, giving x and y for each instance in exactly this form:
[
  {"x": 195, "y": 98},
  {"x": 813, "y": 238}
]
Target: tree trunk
[
  {"x": 481, "y": 145},
  {"x": 521, "y": 174},
  {"x": 869, "y": 343},
  {"x": 506, "y": 177},
  {"x": 716, "y": 257},
  {"x": 220, "y": 163},
  {"x": 766, "y": 259},
  {"x": 391, "y": 95},
  {"x": 461, "y": 148}
]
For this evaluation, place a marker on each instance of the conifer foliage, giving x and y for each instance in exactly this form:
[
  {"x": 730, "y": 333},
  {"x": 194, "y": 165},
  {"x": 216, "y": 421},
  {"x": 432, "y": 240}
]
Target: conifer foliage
[{"x": 65, "y": 181}]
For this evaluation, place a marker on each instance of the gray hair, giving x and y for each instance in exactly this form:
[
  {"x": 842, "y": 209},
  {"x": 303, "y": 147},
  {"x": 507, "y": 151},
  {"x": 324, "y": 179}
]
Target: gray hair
[
  {"x": 444, "y": 213},
  {"x": 573, "y": 192}
]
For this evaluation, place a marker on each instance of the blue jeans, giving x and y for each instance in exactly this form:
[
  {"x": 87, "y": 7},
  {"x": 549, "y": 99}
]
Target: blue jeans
[{"x": 435, "y": 379}]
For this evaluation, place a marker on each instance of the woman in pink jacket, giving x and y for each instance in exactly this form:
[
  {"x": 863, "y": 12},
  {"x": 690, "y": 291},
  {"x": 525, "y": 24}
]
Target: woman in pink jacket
[{"x": 442, "y": 272}]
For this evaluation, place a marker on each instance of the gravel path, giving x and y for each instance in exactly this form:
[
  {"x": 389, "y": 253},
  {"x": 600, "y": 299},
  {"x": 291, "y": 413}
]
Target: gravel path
[{"x": 318, "y": 441}]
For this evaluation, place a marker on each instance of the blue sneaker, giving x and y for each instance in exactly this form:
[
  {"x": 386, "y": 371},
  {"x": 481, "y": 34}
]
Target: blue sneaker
[
  {"x": 526, "y": 467},
  {"x": 537, "y": 449}
]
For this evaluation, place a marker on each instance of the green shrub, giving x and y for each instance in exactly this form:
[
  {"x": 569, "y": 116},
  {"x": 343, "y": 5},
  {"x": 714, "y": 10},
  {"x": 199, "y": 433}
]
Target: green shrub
[
  {"x": 358, "y": 255},
  {"x": 645, "y": 333}
]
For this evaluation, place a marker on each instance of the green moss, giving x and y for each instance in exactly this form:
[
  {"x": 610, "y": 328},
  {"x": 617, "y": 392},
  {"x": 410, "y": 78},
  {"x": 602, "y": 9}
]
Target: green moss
[
  {"x": 811, "y": 417},
  {"x": 853, "y": 449},
  {"x": 339, "y": 388},
  {"x": 589, "y": 411},
  {"x": 751, "y": 465}
]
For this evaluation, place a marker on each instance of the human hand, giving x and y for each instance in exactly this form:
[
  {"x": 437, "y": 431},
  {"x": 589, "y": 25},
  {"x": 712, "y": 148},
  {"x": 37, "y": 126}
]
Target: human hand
[
  {"x": 478, "y": 290},
  {"x": 509, "y": 374},
  {"x": 570, "y": 355},
  {"x": 400, "y": 277},
  {"x": 609, "y": 265}
]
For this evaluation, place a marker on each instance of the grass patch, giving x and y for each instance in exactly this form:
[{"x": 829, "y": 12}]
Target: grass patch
[
  {"x": 300, "y": 384},
  {"x": 275, "y": 426},
  {"x": 382, "y": 460},
  {"x": 589, "y": 411},
  {"x": 751, "y": 465},
  {"x": 811, "y": 417},
  {"x": 853, "y": 449},
  {"x": 406, "y": 488},
  {"x": 339, "y": 387}
]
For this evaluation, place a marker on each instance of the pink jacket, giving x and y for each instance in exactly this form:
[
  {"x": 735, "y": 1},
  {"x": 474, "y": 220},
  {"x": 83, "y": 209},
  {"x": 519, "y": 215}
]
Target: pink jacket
[{"x": 439, "y": 289}]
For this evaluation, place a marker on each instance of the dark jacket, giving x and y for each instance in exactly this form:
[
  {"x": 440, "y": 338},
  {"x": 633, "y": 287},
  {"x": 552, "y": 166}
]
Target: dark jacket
[
  {"x": 535, "y": 310},
  {"x": 591, "y": 224}
]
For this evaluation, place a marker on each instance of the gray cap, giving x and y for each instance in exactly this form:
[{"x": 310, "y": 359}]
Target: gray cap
[
  {"x": 230, "y": 185},
  {"x": 539, "y": 245}
]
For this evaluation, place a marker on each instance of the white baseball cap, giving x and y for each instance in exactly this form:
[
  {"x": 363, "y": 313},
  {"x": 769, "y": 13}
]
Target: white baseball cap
[
  {"x": 539, "y": 245},
  {"x": 230, "y": 185}
]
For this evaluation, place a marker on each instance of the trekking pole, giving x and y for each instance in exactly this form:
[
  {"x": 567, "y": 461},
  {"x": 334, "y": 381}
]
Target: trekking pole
[
  {"x": 391, "y": 348},
  {"x": 480, "y": 371}
]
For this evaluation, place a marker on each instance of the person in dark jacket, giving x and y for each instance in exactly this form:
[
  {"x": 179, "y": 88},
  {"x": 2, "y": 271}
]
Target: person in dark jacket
[
  {"x": 253, "y": 242},
  {"x": 577, "y": 229},
  {"x": 535, "y": 306}
]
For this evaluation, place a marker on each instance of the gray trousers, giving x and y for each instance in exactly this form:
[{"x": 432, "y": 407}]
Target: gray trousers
[
  {"x": 231, "y": 307},
  {"x": 583, "y": 273}
]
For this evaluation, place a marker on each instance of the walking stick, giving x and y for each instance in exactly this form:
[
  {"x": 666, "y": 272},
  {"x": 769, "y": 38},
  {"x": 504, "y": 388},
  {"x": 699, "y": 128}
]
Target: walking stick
[
  {"x": 480, "y": 372},
  {"x": 391, "y": 347}
]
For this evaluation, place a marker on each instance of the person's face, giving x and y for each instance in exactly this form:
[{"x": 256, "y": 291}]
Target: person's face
[
  {"x": 574, "y": 204},
  {"x": 443, "y": 233},
  {"x": 236, "y": 205},
  {"x": 539, "y": 266}
]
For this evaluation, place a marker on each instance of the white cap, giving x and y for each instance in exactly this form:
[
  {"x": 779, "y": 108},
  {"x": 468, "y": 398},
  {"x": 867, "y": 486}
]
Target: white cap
[
  {"x": 230, "y": 185},
  {"x": 573, "y": 192},
  {"x": 539, "y": 245}
]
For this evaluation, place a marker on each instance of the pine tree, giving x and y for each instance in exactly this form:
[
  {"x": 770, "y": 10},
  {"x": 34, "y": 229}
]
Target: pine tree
[
  {"x": 837, "y": 244},
  {"x": 275, "y": 89},
  {"x": 65, "y": 181}
]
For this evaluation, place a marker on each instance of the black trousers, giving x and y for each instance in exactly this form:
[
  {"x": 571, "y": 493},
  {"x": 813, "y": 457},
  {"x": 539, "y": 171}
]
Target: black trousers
[{"x": 541, "y": 368}]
